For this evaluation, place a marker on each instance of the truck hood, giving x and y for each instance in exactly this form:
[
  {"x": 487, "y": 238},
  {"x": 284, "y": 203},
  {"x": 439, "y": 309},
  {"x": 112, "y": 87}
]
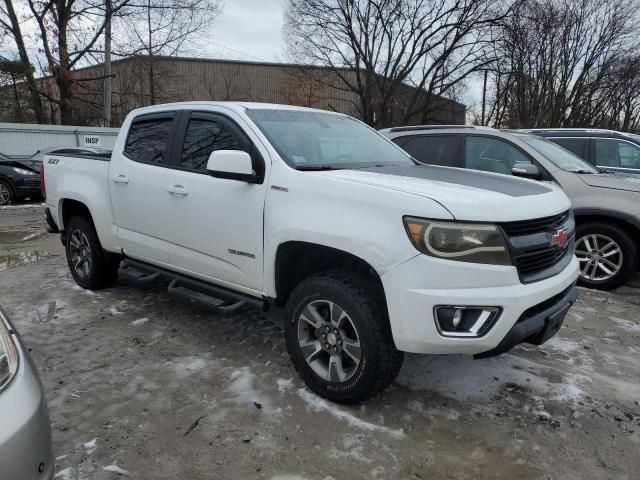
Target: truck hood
[
  {"x": 467, "y": 194},
  {"x": 616, "y": 181}
]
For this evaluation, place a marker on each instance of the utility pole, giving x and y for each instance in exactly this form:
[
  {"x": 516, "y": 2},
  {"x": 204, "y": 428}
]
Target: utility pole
[
  {"x": 484, "y": 96},
  {"x": 107, "y": 65}
]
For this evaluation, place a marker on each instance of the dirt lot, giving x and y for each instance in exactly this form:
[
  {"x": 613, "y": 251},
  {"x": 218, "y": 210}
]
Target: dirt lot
[{"x": 141, "y": 385}]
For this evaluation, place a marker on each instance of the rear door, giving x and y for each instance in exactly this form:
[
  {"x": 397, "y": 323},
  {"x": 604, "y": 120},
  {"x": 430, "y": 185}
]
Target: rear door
[
  {"x": 216, "y": 228},
  {"x": 616, "y": 154},
  {"x": 138, "y": 186}
]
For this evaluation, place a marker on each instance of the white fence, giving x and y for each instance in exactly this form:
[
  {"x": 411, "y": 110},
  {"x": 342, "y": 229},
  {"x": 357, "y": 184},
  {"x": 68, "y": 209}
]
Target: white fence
[{"x": 19, "y": 140}]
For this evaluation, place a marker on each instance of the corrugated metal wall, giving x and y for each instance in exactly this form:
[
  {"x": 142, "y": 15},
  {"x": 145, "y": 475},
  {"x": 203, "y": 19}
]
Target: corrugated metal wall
[{"x": 23, "y": 140}]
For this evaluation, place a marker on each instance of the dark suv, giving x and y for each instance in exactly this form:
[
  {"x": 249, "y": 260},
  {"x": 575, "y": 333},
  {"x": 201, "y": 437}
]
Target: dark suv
[
  {"x": 17, "y": 180},
  {"x": 606, "y": 149}
]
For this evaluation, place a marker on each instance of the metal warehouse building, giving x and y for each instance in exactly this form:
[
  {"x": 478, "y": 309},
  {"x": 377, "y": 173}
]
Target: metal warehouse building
[{"x": 141, "y": 80}]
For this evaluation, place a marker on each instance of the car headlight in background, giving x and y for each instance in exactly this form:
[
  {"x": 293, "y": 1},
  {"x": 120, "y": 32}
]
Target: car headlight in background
[
  {"x": 8, "y": 354},
  {"x": 465, "y": 242},
  {"x": 23, "y": 171}
]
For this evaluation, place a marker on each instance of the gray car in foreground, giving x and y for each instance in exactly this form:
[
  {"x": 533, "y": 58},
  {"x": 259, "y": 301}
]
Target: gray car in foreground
[
  {"x": 25, "y": 434},
  {"x": 606, "y": 205}
]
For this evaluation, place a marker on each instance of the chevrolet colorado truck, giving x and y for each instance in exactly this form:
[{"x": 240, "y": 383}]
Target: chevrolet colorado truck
[{"x": 370, "y": 253}]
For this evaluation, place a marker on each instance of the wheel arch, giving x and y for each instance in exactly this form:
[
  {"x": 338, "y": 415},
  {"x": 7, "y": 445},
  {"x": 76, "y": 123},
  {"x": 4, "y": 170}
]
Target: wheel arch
[{"x": 298, "y": 260}]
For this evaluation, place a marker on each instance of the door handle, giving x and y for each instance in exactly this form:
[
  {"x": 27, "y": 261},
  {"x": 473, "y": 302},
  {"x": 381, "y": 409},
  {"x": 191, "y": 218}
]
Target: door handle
[
  {"x": 122, "y": 179},
  {"x": 178, "y": 190}
]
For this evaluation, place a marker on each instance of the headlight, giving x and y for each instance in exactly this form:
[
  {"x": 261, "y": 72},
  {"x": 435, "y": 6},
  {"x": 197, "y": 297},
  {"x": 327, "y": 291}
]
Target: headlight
[
  {"x": 465, "y": 242},
  {"x": 23, "y": 171},
  {"x": 8, "y": 354}
]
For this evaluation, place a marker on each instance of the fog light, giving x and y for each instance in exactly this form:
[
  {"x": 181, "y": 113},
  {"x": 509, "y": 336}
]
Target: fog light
[{"x": 465, "y": 321}]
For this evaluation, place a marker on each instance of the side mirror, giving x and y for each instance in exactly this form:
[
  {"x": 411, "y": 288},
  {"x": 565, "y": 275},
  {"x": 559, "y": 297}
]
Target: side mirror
[
  {"x": 232, "y": 165},
  {"x": 526, "y": 170}
]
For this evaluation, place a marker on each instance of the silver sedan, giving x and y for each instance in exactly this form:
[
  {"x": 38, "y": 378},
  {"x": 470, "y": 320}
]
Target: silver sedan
[{"x": 25, "y": 434}]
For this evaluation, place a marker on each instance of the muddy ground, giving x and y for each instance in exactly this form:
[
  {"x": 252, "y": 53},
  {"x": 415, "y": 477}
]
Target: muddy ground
[{"x": 141, "y": 385}]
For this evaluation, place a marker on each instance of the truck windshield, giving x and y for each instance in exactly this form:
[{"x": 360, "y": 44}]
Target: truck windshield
[
  {"x": 310, "y": 140},
  {"x": 559, "y": 156}
]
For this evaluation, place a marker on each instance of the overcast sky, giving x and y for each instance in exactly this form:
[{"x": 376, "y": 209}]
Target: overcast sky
[{"x": 251, "y": 27}]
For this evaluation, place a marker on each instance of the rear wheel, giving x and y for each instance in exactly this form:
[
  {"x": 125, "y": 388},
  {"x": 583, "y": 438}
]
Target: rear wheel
[
  {"x": 91, "y": 267},
  {"x": 6, "y": 193},
  {"x": 338, "y": 337},
  {"x": 607, "y": 256}
]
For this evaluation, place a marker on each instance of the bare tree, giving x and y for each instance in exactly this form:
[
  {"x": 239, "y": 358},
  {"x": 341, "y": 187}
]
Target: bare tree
[
  {"x": 163, "y": 27},
  {"x": 10, "y": 23},
  {"x": 377, "y": 47},
  {"x": 555, "y": 61}
]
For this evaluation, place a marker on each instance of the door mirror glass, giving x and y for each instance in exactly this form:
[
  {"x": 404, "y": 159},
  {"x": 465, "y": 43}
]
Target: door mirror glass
[
  {"x": 526, "y": 170},
  {"x": 231, "y": 164}
]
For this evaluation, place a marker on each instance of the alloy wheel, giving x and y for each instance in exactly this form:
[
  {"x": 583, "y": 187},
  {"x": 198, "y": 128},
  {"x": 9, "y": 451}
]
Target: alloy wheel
[
  {"x": 80, "y": 252},
  {"x": 5, "y": 194},
  {"x": 329, "y": 341},
  {"x": 600, "y": 257}
]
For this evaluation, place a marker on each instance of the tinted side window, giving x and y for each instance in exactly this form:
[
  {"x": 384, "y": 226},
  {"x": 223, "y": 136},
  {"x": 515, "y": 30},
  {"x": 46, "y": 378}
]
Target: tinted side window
[
  {"x": 616, "y": 153},
  {"x": 492, "y": 155},
  {"x": 577, "y": 146},
  {"x": 147, "y": 140},
  {"x": 205, "y": 136},
  {"x": 434, "y": 149}
]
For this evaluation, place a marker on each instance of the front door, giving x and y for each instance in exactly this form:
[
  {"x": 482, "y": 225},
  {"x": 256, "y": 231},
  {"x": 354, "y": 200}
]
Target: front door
[{"x": 216, "y": 228}]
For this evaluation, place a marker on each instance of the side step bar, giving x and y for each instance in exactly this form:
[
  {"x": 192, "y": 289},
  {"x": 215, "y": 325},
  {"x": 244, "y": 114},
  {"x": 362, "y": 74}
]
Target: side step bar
[{"x": 195, "y": 291}]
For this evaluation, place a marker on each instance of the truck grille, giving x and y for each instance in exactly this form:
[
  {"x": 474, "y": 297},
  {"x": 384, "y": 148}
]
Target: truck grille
[
  {"x": 532, "y": 249},
  {"x": 526, "y": 227}
]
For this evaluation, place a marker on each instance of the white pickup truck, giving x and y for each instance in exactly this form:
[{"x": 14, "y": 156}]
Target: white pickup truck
[{"x": 370, "y": 253}]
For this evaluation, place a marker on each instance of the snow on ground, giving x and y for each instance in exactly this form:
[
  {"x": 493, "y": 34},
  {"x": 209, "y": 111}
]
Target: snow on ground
[
  {"x": 139, "y": 321},
  {"x": 91, "y": 446},
  {"x": 243, "y": 387},
  {"x": 463, "y": 378},
  {"x": 186, "y": 366},
  {"x": 115, "y": 469},
  {"x": 626, "y": 325},
  {"x": 319, "y": 404},
  {"x": 284, "y": 385},
  {"x": 68, "y": 473}
]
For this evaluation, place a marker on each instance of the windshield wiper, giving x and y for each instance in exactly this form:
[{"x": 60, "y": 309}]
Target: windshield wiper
[
  {"x": 316, "y": 167},
  {"x": 582, "y": 171}
]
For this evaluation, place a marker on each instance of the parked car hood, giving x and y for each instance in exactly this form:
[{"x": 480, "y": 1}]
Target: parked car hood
[
  {"x": 19, "y": 164},
  {"x": 616, "y": 181},
  {"x": 467, "y": 194}
]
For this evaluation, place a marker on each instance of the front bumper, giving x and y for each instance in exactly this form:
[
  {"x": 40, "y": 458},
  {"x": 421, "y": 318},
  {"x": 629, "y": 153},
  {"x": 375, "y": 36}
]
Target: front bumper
[
  {"x": 27, "y": 186},
  {"x": 25, "y": 434},
  {"x": 418, "y": 285}
]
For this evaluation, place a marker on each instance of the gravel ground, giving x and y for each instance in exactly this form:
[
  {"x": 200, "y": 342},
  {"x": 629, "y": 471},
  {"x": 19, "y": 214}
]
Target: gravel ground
[{"x": 144, "y": 386}]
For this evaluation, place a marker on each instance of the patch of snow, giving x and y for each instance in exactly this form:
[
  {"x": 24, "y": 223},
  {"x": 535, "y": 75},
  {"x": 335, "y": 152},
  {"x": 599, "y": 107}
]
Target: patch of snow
[
  {"x": 68, "y": 473},
  {"x": 139, "y": 321},
  {"x": 188, "y": 365},
  {"x": 465, "y": 379},
  {"x": 626, "y": 325},
  {"x": 287, "y": 476},
  {"x": 22, "y": 207},
  {"x": 114, "y": 311},
  {"x": 91, "y": 446},
  {"x": 31, "y": 235},
  {"x": 115, "y": 469},
  {"x": 351, "y": 448},
  {"x": 319, "y": 404},
  {"x": 284, "y": 385},
  {"x": 242, "y": 386}
]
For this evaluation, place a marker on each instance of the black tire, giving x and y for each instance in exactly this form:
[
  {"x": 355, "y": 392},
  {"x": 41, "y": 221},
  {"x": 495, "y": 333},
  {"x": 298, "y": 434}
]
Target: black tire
[
  {"x": 364, "y": 305},
  {"x": 628, "y": 255},
  {"x": 7, "y": 196},
  {"x": 102, "y": 270}
]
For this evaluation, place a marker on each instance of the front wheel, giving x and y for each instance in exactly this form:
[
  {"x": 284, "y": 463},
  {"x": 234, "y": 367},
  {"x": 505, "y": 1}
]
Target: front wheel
[
  {"x": 338, "y": 337},
  {"x": 607, "y": 256},
  {"x": 91, "y": 267},
  {"x": 6, "y": 193}
]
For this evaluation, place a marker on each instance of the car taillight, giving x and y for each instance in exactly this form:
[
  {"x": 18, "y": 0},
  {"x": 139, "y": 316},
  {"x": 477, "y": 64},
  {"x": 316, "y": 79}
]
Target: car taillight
[{"x": 43, "y": 189}]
